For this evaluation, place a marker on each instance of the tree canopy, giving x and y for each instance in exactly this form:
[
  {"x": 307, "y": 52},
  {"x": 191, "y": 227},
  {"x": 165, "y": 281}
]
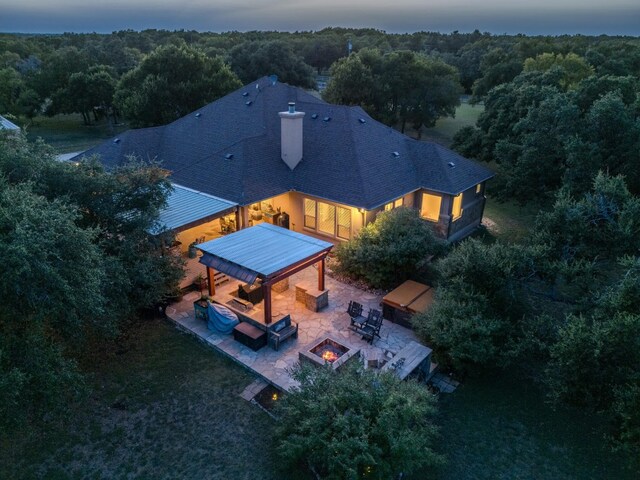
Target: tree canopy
[
  {"x": 397, "y": 87},
  {"x": 171, "y": 82},
  {"x": 252, "y": 60},
  {"x": 78, "y": 266},
  {"x": 355, "y": 424}
]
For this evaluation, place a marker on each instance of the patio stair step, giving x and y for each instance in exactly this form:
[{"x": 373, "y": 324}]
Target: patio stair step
[
  {"x": 253, "y": 389},
  {"x": 220, "y": 278}
]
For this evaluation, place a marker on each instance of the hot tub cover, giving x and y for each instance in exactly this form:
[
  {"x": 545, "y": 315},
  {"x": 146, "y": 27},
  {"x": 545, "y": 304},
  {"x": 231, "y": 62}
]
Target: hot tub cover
[{"x": 221, "y": 319}]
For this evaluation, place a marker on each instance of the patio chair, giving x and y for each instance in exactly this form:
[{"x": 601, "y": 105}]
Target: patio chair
[
  {"x": 355, "y": 313},
  {"x": 371, "y": 327}
]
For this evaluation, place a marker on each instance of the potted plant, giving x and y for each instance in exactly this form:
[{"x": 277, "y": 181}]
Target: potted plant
[
  {"x": 200, "y": 307},
  {"x": 200, "y": 282},
  {"x": 193, "y": 253}
]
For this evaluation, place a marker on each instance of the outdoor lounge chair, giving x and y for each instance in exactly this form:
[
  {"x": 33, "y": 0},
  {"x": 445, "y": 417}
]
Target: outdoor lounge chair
[
  {"x": 355, "y": 313},
  {"x": 371, "y": 327}
]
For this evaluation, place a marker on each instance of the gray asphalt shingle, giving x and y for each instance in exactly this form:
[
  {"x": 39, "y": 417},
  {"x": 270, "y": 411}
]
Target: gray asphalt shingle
[{"x": 344, "y": 160}]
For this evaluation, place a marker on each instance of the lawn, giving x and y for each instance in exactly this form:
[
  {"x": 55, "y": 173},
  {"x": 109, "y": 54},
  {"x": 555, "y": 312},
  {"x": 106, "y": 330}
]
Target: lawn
[
  {"x": 497, "y": 428},
  {"x": 446, "y": 128},
  {"x": 66, "y": 133},
  {"x": 508, "y": 221},
  {"x": 164, "y": 406}
]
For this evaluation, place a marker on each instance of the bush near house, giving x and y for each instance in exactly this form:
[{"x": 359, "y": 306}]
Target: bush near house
[
  {"x": 355, "y": 424},
  {"x": 394, "y": 248}
]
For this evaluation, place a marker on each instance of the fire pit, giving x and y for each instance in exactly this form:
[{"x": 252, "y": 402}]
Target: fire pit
[{"x": 328, "y": 351}]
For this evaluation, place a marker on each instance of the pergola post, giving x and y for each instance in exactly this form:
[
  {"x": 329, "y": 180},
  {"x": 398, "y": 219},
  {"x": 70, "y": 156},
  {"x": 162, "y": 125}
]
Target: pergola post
[
  {"x": 321, "y": 274},
  {"x": 211, "y": 281},
  {"x": 238, "y": 220},
  {"x": 266, "y": 293}
]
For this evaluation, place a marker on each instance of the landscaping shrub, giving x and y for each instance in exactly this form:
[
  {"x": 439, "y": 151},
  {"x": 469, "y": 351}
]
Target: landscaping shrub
[{"x": 394, "y": 248}]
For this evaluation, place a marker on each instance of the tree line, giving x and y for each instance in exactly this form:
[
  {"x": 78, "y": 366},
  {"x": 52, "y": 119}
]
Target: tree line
[{"x": 399, "y": 78}]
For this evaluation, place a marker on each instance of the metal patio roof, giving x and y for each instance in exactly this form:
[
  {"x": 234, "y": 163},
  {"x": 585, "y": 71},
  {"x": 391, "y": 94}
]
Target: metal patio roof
[
  {"x": 186, "y": 206},
  {"x": 8, "y": 125},
  {"x": 260, "y": 251}
]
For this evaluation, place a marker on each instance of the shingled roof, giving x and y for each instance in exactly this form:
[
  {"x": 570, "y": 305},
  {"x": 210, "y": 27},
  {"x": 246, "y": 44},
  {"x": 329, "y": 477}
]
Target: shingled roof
[{"x": 231, "y": 149}]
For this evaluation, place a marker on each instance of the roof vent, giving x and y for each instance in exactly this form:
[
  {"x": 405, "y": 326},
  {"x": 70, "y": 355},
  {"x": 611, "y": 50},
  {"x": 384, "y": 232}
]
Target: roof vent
[
  {"x": 198, "y": 115},
  {"x": 314, "y": 116},
  {"x": 229, "y": 156},
  {"x": 362, "y": 120},
  {"x": 273, "y": 79},
  {"x": 395, "y": 154},
  {"x": 248, "y": 103},
  {"x": 245, "y": 94},
  {"x": 326, "y": 119},
  {"x": 451, "y": 164},
  {"x": 117, "y": 140}
]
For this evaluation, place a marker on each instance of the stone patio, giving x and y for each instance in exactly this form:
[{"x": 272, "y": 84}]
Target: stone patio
[{"x": 273, "y": 366}]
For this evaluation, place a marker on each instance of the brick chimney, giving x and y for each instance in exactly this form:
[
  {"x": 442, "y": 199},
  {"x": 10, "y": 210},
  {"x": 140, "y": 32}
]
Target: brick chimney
[{"x": 291, "y": 136}]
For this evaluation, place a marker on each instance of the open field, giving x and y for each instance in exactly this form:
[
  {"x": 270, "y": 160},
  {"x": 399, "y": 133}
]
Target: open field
[
  {"x": 165, "y": 407},
  {"x": 494, "y": 427},
  {"x": 446, "y": 128},
  {"x": 66, "y": 133}
]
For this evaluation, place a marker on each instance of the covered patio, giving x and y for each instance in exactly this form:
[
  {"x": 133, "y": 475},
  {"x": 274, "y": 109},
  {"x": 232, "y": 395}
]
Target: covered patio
[{"x": 263, "y": 257}]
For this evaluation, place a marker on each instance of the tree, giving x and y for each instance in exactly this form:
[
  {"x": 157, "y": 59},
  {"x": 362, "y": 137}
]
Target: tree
[
  {"x": 51, "y": 288},
  {"x": 397, "y": 246},
  {"x": 171, "y": 82},
  {"x": 355, "y": 423},
  {"x": 322, "y": 51},
  {"x": 533, "y": 159},
  {"x": 351, "y": 83},
  {"x": 85, "y": 92},
  {"x": 252, "y": 60},
  {"x": 498, "y": 66},
  {"x": 601, "y": 224},
  {"x": 10, "y": 86},
  {"x": 397, "y": 87},
  {"x": 597, "y": 353},
  {"x": 78, "y": 265},
  {"x": 481, "y": 313},
  {"x": 574, "y": 67}
]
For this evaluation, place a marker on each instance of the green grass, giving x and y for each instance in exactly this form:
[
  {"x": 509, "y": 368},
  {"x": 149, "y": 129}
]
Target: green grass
[
  {"x": 166, "y": 407},
  {"x": 66, "y": 133},
  {"x": 447, "y": 127},
  {"x": 497, "y": 428},
  {"x": 508, "y": 221}
]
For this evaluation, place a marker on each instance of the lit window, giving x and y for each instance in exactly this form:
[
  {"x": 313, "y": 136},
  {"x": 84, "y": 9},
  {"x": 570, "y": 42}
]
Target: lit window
[
  {"x": 326, "y": 218},
  {"x": 398, "y": 203},
  {"x": 344, "y": 223},
  {"x": 309, "y": 213},
  {"x": 456, "y": 211},
  {"x": 478, "y": 188},
  {"x": 430, "y": 207},
  {"x": 388, "y": 207}
]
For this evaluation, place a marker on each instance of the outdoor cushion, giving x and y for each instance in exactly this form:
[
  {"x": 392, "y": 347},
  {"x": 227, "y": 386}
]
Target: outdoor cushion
[{"x": 279, "y": 326}]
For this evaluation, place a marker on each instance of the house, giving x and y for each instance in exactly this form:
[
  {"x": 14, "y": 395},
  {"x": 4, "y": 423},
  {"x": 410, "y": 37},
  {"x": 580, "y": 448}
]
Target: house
[{"x": 270, "y": 152}]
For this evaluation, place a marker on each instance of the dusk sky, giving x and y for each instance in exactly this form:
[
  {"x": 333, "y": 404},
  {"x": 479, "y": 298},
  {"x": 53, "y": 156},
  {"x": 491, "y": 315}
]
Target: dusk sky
[{"x": 495, "y": 16}]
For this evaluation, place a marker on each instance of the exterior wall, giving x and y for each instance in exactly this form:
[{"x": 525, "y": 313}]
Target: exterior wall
[
  {"x": 472, "y": 210},
  {"x": 209, "y": 231},
  {"x": 296, "y": 219}
]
